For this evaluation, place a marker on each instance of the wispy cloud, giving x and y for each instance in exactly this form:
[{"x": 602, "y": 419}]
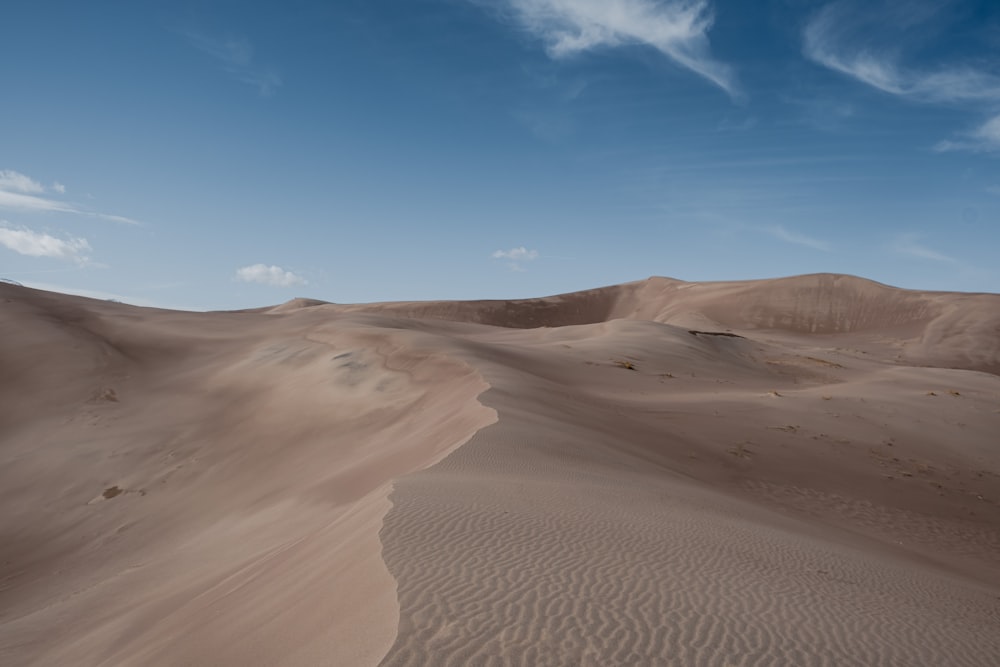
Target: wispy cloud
[
  {"x": 909, "y": 244},
  {"x": 37, "y": 244},
  {"x": 837, "y": 37},
  {"x": 788, "y": 236},
  {"x": 22, "y": 193},
  {"x": 235, "y": 54},
  {"x": 516, "y": 257},
  {"x": 269, "y": 275},
  {"x": 676, "y": 28},
  {"x": 984, "y": 139},
  {"x": 13, "y": 181},
  {"x": 112, "y": 218},
  {"x": 25, "y": 202}
]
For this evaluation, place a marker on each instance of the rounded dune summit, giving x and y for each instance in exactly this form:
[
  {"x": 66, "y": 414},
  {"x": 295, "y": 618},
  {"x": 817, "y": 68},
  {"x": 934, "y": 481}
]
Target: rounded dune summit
[{"x": 800, "y": 470}]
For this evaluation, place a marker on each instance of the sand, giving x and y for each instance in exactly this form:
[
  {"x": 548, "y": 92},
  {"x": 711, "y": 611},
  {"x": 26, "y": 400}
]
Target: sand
[{"x": 794, "y": 471}]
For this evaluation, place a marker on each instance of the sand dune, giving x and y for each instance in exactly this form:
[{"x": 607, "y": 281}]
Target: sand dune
[
  {"x": 936, "y": 328},
  {"x": 793, "y": 471}
]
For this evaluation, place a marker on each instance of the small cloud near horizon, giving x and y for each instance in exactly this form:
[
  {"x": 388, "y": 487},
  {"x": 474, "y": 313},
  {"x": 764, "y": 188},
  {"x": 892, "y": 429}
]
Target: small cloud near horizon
[
  {"x": 27, "y": 242},
  {"x": 516, "y": 257},
  {"x": 275, "y": 276}
]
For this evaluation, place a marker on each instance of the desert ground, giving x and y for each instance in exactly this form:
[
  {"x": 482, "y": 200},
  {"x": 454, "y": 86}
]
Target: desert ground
[{"x": 797, "y": 471}]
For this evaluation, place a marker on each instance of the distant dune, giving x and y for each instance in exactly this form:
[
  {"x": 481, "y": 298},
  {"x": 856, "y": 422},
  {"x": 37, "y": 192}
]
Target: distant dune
[{"x": 798, "y": 471}]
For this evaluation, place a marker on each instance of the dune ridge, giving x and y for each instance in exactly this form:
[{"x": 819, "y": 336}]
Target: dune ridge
[
  {"x": 184, "y": 488},
  {"x": 793, "y": 471}
]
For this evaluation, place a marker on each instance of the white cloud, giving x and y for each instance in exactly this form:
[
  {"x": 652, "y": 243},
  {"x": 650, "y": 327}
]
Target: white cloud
[
  {"x": 516, "y": 257},
  {"x": 908, "y": 244},
  {"x": 59, "y": 187},
  {"x": 676, "y": 28},
  {"x": 17, "y": 182},
  {"x": 236, "y": 56},
  {"x": 836, "y": 37},
  {"x": 779, "y": 232},
  {"x": 269, "y": 275},
  {"x": 516, "y": 254},
  {"x": 984, "y": 139},
  {"x": 37, "y": 244}
]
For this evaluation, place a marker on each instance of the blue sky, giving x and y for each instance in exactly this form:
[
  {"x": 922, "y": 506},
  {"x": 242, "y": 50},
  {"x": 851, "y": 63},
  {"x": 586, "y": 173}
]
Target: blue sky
[{"x": 234, "y": 154}]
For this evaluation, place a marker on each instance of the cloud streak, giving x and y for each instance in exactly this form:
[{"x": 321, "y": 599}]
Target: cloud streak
[
  {"x": 274, "y": 276},
  {"x": 984, "y": 139},
  {"x": 780, "y": 233},
  {"x": 835, "y": 38},
  {"x": 235, "y": 54},
  {"x": 908, "y": 244},
  {"x": 37, "y": 244},
  {"x": 26, "y": 202},
  {"x": 22, "y": 193},
  {"x": 676, "y": 28}
]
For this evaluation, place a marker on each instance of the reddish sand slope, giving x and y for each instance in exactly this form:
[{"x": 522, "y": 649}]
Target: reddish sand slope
[{"x": 797, "y": 471}]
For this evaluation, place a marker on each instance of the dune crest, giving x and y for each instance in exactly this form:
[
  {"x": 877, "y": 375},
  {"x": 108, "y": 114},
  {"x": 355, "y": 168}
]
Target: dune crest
[{"x": 185, "y": 488}]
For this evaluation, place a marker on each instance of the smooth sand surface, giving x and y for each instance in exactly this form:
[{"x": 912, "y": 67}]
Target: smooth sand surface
[{"x": 800, "y": 471}]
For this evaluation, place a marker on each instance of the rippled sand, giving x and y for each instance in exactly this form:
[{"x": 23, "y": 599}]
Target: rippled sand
[{"x": 799, "y": 471}]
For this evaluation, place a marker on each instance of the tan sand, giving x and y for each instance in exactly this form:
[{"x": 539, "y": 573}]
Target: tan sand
[{"x": 796, "y": 471}]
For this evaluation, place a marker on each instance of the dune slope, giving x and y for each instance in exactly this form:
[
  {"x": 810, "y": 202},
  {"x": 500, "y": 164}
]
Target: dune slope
[
  {"x": 795, "y": 471},
  {"x": 725, "y": 502}
]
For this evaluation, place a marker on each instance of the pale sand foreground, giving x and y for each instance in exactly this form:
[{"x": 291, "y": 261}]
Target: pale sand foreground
[{"x": 436, "y": 484}]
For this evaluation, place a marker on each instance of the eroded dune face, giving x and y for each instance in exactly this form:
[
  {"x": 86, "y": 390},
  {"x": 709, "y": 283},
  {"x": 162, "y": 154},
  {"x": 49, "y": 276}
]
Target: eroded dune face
[{"x": 600, "y": 478}]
